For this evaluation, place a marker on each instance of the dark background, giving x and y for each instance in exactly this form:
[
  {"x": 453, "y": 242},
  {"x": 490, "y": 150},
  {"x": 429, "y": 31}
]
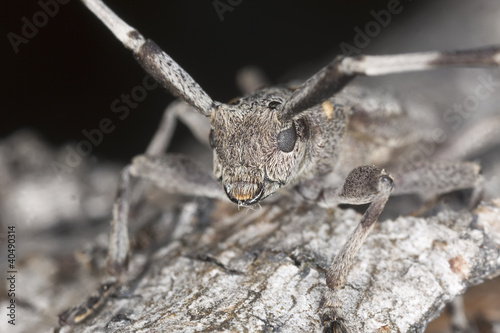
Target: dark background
[{"x": 64, "y": 79}]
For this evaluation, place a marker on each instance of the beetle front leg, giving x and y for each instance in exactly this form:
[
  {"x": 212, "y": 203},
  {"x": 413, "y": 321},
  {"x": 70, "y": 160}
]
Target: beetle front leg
[
  {"x": 172, "y": 173},
  {"x": 363, "y": 184},
  {"x": 119, "y": 244},
  {"x": 150, "y": 167}
]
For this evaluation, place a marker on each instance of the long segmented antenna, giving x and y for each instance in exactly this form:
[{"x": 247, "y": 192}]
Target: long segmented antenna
[
  {"x": 332, "y": 78},
  {"x": 156, "y": 62},
  {"x": 328, "y": 81}
]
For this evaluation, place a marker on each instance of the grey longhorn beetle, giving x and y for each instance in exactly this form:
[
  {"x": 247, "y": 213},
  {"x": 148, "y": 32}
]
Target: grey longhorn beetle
[{"x": 319, "y": 140}]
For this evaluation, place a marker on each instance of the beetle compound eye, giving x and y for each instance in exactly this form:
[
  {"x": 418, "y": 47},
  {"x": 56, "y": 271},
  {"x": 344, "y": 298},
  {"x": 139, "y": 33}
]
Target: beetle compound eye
[
  {"x": 286, "y": 139},
  {"x": 273, "y": 105},
  {"x": 211, "y": 139}
]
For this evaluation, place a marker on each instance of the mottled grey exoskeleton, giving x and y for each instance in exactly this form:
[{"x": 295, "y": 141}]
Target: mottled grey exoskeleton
[{"x": 320, "y": 141}]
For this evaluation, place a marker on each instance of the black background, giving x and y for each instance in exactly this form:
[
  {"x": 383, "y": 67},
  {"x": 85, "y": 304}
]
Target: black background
[{"x": 64, "y": 79}]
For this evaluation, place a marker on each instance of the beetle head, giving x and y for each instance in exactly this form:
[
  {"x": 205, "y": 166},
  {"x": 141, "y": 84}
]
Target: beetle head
[{"x": 255, "y": 151}]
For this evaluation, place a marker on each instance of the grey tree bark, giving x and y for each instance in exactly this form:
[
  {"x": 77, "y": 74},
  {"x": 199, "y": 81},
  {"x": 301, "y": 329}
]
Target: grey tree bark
[
  {"x": 205, "y": 266},
  {"x": 264, "y": 270}
]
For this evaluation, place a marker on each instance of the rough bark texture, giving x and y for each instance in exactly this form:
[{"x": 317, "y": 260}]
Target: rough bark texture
[
  {"x": 203, "y": 265},
  {"x": 265, "y": 270}
]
